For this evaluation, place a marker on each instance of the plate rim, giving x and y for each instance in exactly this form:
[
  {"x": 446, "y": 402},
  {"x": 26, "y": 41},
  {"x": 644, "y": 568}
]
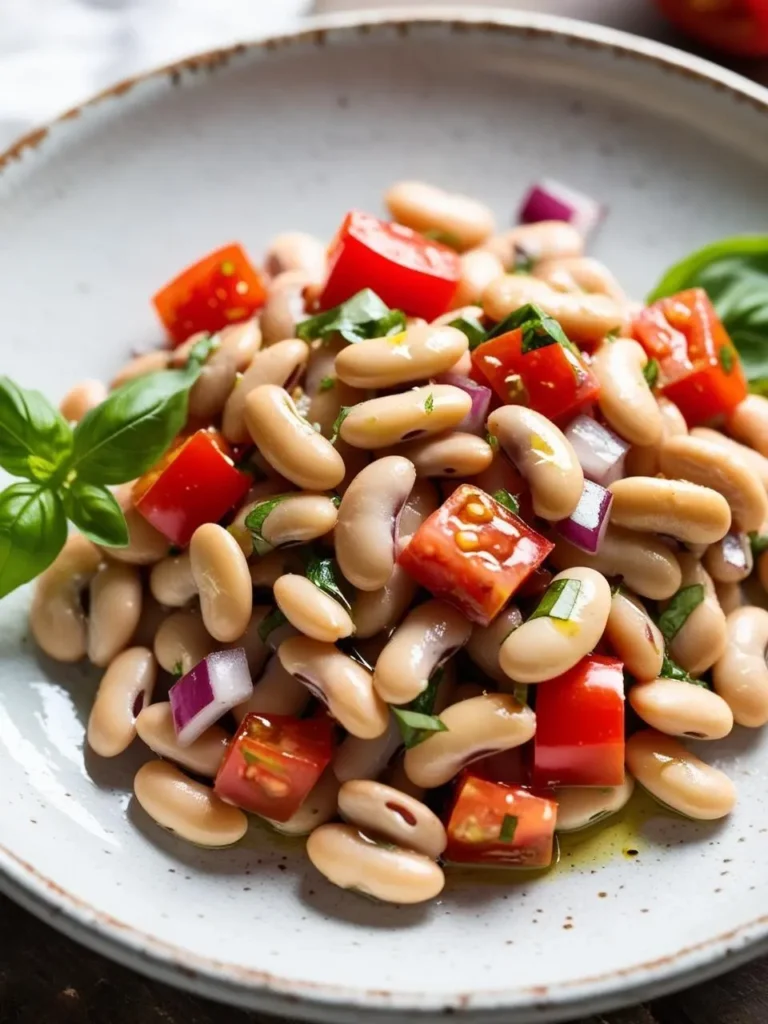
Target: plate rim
[{"x": 263, "y": 990}]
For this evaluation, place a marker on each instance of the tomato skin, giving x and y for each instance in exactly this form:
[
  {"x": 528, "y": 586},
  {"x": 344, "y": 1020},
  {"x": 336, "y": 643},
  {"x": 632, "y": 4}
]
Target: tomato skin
[
  {"x": 194, "y": 483},
  {"x": 473, "y": 553},
  {"x": 222, "y": 288},
  {"x": 406, "y": 270},
  {"x": 579, "y": 737},
  {"x": 553, "y": 380},
  {"x": 272, "y": 763},
  {"x": 684, "y": 333},
  {"x": 738, "y": 26},
  {"x": 476, "y": 825}
]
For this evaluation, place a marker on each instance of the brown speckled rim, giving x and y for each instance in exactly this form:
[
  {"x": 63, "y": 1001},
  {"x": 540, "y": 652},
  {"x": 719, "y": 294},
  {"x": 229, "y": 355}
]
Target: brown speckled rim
[{"x": 256, "y": 989}]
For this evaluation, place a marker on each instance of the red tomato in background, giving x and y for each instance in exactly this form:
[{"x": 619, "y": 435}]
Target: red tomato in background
[
  {"x": 273, "y": 762},
  {"x": 222, "y": 288},
  {"x": 406, "y": 270},
  {"x": 734, "y": 26}
]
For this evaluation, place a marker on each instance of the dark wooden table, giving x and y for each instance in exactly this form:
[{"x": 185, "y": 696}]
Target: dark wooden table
[{"x": 48, "y": 979}]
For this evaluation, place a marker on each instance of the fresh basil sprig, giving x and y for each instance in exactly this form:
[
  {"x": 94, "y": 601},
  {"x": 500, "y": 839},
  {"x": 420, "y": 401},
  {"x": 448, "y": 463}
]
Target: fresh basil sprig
[
  {"x": 362, "y": 316},
  {"x": 33, "y": 528},
  {"x": 539, "y": 328},
  {"x": 35, "y": 439}
]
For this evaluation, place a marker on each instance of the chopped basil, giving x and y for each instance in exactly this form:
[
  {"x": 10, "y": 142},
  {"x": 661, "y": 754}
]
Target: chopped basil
[
  {"x": 508, "y": 828},
  {"x": 685, "y": 601},
  {"x": 559, "y": 600},
  {"x": 424, "y": 704},
  {"x": 539, "y": 328},
  {"x": 344, "y": 411},
  {"x": 416, "y": 727},
  {"x": 726, "y": 356},
  {"x": 203, "y": 348},
  {"x": 758, "y": 542},
  {"x": 472, "y": 328},
  {"x": 613, "y": 334},
  {"x": 509, "y": 501},
  {"x": 327, "y": 384},
  {"x": 271, "y": 622},
  {"x": 257, "y": 517},
  {"x": 491, "y": 440},
  {"x": 362, "y": 316},
  {"x": 671, "y": 670},
  {"x": 443, "y": 237},
  {"x": 322, "y": 572},
  {"x": 651, "y": 373},
  {"x": 335, "y": 500},
  {"x": 178, "y": 670},
  {"x": 429, "y": 404},
  {"x": 522, "y": 262}
]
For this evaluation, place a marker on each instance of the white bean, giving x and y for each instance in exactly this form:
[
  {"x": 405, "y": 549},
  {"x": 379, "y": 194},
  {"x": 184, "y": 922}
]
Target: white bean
[{"x": 126, "y": 687}]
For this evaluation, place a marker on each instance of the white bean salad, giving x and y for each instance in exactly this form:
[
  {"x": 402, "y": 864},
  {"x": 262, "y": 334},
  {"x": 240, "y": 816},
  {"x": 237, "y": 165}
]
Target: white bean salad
[{"x": 376, "y": 546}]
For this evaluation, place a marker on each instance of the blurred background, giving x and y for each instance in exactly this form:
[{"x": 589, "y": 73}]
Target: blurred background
[{"x": 56, "y": 53}]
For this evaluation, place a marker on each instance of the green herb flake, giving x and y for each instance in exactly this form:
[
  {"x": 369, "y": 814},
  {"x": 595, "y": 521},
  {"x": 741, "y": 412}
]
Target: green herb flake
[
  {"x": 559, "y": 600},
  {"x": 424, "y": 704},
  {"x": 178, "y": 670},
  {"x": 613, "y": 334},
  {"x": 685, "y": 601},
  {"x": 271, "y": 622},
  {"x": 471, "y": 327},
  {"x": 651, "y": 373},
  {"x": 202, "y": 349},
  {"x": 727, "y": 358},
  {"x": 508, "y": 828},
  {"x": 363, "y": 316},
  {"x": 344, "y": 411},
  {"x": 671, "y": 670},
  {"x": 492, "y": 441},
  {"x": 327, "y": 384},
  {"x": 335, "y": 500},
  {"x": 256, "y": 518},
  {"x": 509, "y": 501},
  {"x": 322, "y": 572},
  {"x": 539, "y": 328},
  {"x": 429, "y": 404},
  {"x": 758, "y": 542},
  {"x": 416, "y": 727},
  {"x": 443, "y": 238}
]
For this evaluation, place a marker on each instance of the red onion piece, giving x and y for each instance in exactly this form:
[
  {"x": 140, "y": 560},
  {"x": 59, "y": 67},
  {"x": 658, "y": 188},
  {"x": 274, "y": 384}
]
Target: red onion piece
[
  {"x": 474, "y": 421},
  {"x": 600, "y": 452},
  {"x": 213, "y": 687},
  {"x": 586, "y": 528},
  {"x": 551, "y": 200}
]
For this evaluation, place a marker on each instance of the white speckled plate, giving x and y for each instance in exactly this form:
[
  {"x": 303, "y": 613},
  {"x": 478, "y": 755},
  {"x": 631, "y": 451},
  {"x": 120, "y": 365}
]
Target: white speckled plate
[{"x": 104, "y": 206}]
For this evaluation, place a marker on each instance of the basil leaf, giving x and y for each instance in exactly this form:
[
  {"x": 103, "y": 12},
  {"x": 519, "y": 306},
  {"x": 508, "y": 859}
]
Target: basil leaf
[
  {"x": 33, "y": 529},
  {"x": 727, "y": 357},
  {"x": 256, "y": 518},
  {"x": 271, "y": 622},
  {"x": 322, "y": 572},
  {"x": 651, "y": 373},
  {"x": 613, "y": 334},
  {"x": 758, "y": 542},
  {"x": 492, "y": 441},
  {"x": 35, "y": 439},
  {"x": 126, "y": 435},
  {"x": 559, "y": 600},
  {"x": 472, "y": 328},
  {"x": 443, "y": 237},
  {"x": 96, "y": 513},
  {"x": 362, "y": 316},
  {"x": 509, "y": 501},
  {"x": 508, "y": 828},
  {"x": 429, "y": 404},
  {"x": 344, "y": 411},
  {"x": 539, "y": 328},
  {"x": 671, "y": 670},
  {"x": 424, "y": 704},
  {"x": 327, "y": 384},
  {"x": 202, "y": 349},
  {"x": 685, "y": 601},
  {"x": 416, "y": 727}
]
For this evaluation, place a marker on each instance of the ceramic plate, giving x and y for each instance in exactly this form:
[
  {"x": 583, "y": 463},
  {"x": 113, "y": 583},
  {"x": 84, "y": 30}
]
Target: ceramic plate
[{"x": 104, "y": 206}]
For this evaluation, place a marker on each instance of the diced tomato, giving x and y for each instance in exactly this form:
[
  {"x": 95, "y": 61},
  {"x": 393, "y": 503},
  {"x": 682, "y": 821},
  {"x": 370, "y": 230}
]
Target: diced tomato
[
  {"x": 699, "y": 368},
  {"x": 474, "y": 553},
  {"x": 512, "y": 767},
  {"x": 492, "y": 823},
  {"x": 733, "y": 26},
  {"x": 195, "y": 483},
  {"x": 553, "y": 379},
  {"x": 273, "y": 762},
  {"x": 222, "y": 288},
  {"x": 579, "y": 737},
  {"x": 406, "y": 270}
]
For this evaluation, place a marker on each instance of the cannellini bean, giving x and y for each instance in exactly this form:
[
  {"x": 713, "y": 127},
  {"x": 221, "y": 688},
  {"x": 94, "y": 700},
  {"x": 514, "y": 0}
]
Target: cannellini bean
[
  {"x": 265, "y": 570},
  {"x": 367, "y": 517},
  {"x": 412, "y": 355},
  {"x": 367, "y": 759},
  {"x": 645, "y": 563},
  {"x": 581, "y": 806},
  {"x": 275, "y": 692},
  {"x": 81, "y": 399},
  {"x": 150, "y": 362},
  {"x": 377, "y": 610},
  {"x": 625, "y": 398},
  {"x": 485, "y": 643},
  {"x": 544, "y": 456},
  {"x": 419, "y": 506},
  {"x": 730, "y": 559},
  {"x": 377, "y": 808},
  {"x": 326, "y": 391},
  {"x": 456, "y": 454},
  {"x": 748, "y": 423},
  {"x": 580, "y": 273},
  {"x": 146, "y": 545},
  {"x": 340, "y": 682},
  {"x": 289, "y": 443},
  {"x": 586, "y": 317},
  {"x": 57, "y": 618},
  {"x": 475, "y": 728},
  {"x": 479, "y": 268},
  {"x": 740, "y": 676},
  {"x": 679, "y": 708},
  {"x": 634, "y": 636},
  {"x": 762, "y": 570},
  {"x": 296, "y": 250},
  {"x": 381, "y": 422},
  {"x": 318, "y": 807},
  {"x": 313, "y": 612},
  {"x": 125, "y": 688},
  {"x": 223, "y": 581},
  {"x": 299, "y": 519},
  {"x": 545, "y": 647},
  {"x": 241, "y": 341},
  {"x": 679, "y": 779},
  {"x": 729, "y": 596},
  {"x": 285, "y": 306},
  {"x": 428, "y": 636},
  {"x": 153, "y": 615},
  {"x": 464, "y": 220},
  {"x": 203, "y": 757},
  {"x": 530, "y": 243},
  {"x": 114, "y": 613},
  {"x": 181, "y": 642},
  {"x": 171, "y": 581},
  {"x": 754, "y": 460},
  {"x": 396, "y": 777},
  {"x": 256, "y": 650},
  {"x": 690, "y": 458},
  {"x": 644, "y": 460},
  {"x": 352, "y": 860},
  {"x": 217, "y": 376},
  {"x": 190, "y": 809},
  {"x": 689, "y": 512},
  {"x": 276, "y": 366},
  {"x": 703, "y": 636}
]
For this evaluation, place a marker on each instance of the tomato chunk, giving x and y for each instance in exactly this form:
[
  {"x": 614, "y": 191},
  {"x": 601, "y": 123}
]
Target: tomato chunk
[
  {"x": 405, "y": 269},
  {"x": 492, "y": 823},
  {"x": 222, "y": 288},
  {"x": 195, "y": 483},
  {"x": 579, "y": 737},
  {"x": 553, "y": 379},
  {"x": 474, "y": 553},
  {"x": 733, "y": 26},
  {"x": 699, "y": 368}
]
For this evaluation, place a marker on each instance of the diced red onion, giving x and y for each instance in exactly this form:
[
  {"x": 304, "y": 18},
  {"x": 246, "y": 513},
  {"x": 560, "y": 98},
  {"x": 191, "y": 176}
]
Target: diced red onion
[
  {"x": 551, "y": 200},
  {"x": 736, "y": 552},
  {"x": 474, "y": 421},
  {"x": 214, "y": 686},
  {"x": 586, "y": 528},
  {"x": 600, "y": 452}
]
